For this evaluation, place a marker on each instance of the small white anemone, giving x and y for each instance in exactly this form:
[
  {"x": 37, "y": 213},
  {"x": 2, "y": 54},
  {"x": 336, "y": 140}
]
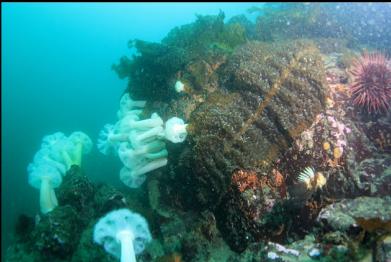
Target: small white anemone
[
  {"x": 179, "y": 86},
  {"x": 175, "y": 130}
]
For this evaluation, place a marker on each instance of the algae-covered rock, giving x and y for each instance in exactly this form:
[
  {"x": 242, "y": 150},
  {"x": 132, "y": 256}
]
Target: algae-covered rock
[
  {"x": 23, "y": 252},
  {"x": 77, "y": 191},
  {"x": 253, "y": 216},
  {"x": 348, "y": 149},
  {"x": 203, "y": 241},
  {"x": 151, "y": 72},
  {"x": 370, "y": 213},
  {"x": 373, "y": 175},
  {"x": 248, "y": 25},
  {"x": 206, "y": 32},
  {"x": 107, "y": 198},
  {"x": 23, "y": 227},
  {"x": 240, "y": 210},
  {"x": 155, "y": 201},
  {"x": 58, "y": 233},
  {"x": 190, "y": 50},
  {"x": 366, "y": 23},
  {"x": 299, "y": 20},
  {"x": 187, "y": 237},
  {"x": 87, "y": 250},
  {"x": 275, "y": 92},
  {"x": 383, "y": 249},
  {"x": 307, "y": 249},
  {"x": 285, "y": 81}
]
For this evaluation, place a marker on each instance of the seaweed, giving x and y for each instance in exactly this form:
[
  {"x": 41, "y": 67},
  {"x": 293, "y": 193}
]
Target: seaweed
[{"x": 153, "y": 70}]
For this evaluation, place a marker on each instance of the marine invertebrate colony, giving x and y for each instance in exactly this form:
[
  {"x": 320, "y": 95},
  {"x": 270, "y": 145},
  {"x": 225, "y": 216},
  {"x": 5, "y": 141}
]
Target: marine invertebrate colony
[
  {"x": 245, "y": 179},
  {"x": 139, "y": 143},
  {"x": 371, "y": 87}
]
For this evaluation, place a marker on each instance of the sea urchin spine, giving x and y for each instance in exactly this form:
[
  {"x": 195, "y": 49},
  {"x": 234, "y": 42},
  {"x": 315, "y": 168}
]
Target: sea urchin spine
[{"x": 371, "y": 87}]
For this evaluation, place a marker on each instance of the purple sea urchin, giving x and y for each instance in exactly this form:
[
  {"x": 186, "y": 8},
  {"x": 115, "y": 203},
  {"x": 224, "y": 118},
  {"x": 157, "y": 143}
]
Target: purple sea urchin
[{"x": 371, "y": 87}]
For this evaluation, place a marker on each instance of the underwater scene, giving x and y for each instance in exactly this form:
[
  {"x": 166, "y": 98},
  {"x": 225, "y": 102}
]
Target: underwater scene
[{"x": 200, "y": 132}]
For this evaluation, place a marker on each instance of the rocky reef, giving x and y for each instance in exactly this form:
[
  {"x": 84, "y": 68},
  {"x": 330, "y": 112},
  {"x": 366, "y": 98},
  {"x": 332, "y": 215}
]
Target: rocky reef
[
  {"x": 272, "y": 93},
  {"x": 278, "y": 165}
]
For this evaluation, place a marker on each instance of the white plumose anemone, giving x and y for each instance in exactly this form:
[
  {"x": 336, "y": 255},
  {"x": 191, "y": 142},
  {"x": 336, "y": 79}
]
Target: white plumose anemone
[
  {"x": 175, "y": 130},
  {"x": 179, "y": 86},
  {"x": 123, "y": 233}
]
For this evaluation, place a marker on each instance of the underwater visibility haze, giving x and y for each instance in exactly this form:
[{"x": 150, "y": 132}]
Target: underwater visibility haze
[{"x": 196, "y": 132}]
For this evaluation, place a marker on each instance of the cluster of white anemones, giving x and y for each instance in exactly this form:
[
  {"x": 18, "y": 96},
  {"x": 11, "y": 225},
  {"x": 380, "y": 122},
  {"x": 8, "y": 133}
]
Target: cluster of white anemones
[
  {"x": 57, "y": 154},
  {"x": 139, "y": 143}
]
